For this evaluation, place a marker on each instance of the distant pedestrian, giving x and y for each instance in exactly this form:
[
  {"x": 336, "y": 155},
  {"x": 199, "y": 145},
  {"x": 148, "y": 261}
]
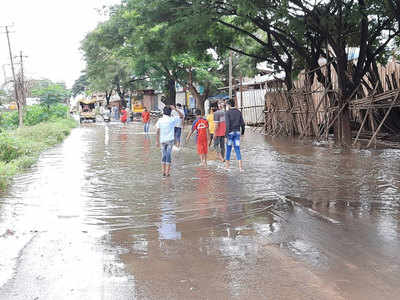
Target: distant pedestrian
[
  {"x": 146, "y": 120},
  {"x": 201, "y": 126},
  {"x": 115, "y": 113},
  {"x": 220, "y": 130},
  {"x": 180, "y": 125},
  {"x": 165, "y": 137},
  {"x": 124, "y": 116},
  {"x": 211, "y": 125},
  {"x": 234, "y": 127}
]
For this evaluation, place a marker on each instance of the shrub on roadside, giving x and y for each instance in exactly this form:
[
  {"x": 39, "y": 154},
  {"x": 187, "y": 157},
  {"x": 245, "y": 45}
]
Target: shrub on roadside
[
  {"x": 34, "y": 114},
  {"x": 20, "y": 148}
]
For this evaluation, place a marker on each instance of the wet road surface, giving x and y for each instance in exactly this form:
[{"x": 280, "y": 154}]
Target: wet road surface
[{"x": 94, "y": 219}]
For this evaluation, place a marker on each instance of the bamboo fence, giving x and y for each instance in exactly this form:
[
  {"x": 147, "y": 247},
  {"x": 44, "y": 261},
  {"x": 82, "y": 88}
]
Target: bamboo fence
[{"x": 312, "y": 109}]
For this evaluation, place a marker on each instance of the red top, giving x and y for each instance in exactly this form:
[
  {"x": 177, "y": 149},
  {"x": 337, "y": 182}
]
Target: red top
[
  {"x": 221, "y": 129},
  {"x": 145, "y": 116},
  {"x": 124, "y": 116},
  {"x": 201, "y": 127}
]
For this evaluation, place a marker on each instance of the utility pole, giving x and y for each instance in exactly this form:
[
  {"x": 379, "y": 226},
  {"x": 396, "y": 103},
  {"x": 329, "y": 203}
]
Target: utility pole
[
  {"x": 21, "y": 123},
  {"x": 22, "y": 84},
  {"x": 230, "y": 75}
]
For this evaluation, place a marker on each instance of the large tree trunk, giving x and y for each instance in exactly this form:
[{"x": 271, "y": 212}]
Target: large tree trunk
[
  {"x": 200, "y": 99},
  {"x": 342, "y": 125},
  {"x": 170, "y": 92},
  {"x": 20, "y": 114},
  {"x": 121, "y": 94},
  {"x": 108, "y": 97}
]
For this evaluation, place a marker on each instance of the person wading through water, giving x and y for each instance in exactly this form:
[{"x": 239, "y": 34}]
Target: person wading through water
[
  {"x": 220, "y": 130},
  {"x": 165, "y": 136},
  {"x": 179, "y": 127},
  {"x": 234, "y": 127},
  {"x": 211, "y": 124},
  {"x": 146, "y": 120},
  {"x": 201, "y": 126}
]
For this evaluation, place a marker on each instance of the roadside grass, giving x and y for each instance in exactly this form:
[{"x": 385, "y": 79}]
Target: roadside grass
[{"x": 20, "y": 148}]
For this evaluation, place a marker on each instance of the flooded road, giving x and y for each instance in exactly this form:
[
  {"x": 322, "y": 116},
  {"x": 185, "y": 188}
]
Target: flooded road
[{"x": 94, "y": 219}]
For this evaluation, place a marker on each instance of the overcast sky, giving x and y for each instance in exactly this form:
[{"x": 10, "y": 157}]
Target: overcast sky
[{"x": 49, "y": 33}]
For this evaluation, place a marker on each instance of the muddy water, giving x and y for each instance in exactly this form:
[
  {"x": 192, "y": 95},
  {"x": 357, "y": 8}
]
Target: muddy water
[{"x": 94, "y": 219}]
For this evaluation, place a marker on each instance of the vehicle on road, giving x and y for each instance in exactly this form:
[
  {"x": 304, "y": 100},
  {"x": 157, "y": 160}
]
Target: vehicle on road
[
  {"x": 87, "y": 110},
  {"x": 137, "y": 109}
]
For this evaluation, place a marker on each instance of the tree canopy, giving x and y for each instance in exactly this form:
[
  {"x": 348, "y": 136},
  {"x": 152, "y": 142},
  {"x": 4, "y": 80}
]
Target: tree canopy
[
  {"x": 186, "y": 42},
  {"x": 50, "y": 93}
]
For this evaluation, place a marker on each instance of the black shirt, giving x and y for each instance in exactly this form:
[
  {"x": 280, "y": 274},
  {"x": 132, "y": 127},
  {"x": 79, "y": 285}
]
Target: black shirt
[{"x": 234, "y": 121}]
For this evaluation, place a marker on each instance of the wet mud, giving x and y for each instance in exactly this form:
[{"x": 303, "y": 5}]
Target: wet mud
[{"x": 94, "y": 219}]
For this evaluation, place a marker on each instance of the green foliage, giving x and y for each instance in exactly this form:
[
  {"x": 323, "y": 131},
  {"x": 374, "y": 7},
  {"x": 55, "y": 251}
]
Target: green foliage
[
  {"x": 51, "y": 94},
  {"x": 80, "y": 85},
  {"x": 34, "y": 115},
  {"x": 20, "y": 148},
  {"x": 9, "y": 120},
  {"x": 11, "y": 148}
]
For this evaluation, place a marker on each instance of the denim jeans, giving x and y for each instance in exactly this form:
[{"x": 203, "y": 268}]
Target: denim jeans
[
  {"x": 166, "y": 150},
  {"x": 146, "y": 127},
  {"x": 233, "y": 140},
  {"x": 177, "y": 134}
]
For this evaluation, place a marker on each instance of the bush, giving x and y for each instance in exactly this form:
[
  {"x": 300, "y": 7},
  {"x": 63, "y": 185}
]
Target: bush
[
  {"x": 10, "y": 147},
  {"x": 34, "y": 115},
  {"x": 9, "y": 120},
  {"x": 20, "y": 148}
]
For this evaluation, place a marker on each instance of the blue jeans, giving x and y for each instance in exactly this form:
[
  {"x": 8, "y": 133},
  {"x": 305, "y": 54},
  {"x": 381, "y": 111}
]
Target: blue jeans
[
  {"x": 178, "y": 133},
  {"x": 233, "y": 140},
  {"x": 166, "y": 150},
  {"x": 146, "y": 127}
]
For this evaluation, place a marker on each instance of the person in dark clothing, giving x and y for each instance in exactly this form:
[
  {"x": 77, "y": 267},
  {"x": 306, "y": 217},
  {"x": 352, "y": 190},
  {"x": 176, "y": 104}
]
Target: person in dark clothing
[{"x": 234, "y": 127}]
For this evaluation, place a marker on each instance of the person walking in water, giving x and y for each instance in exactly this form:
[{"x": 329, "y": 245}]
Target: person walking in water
[
  {"x": 211, "y": 125},
  {"x": 234, "y": 127},
  {"x": 165, "y": 136},
  {"x": 201, "y": 126},
  {"x": 180, "y": 125},
  {"x": 146, "y": 120},
  {"x": 115, "y": 114},
  {"x": 124, "y": 116},
  {"x": 220, "y": 130}
]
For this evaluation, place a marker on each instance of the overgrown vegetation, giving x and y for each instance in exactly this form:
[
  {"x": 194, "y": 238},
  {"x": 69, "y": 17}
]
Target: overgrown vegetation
[
  {"x": 20, "y": 148},
  {"x": 34, "y": 115}
]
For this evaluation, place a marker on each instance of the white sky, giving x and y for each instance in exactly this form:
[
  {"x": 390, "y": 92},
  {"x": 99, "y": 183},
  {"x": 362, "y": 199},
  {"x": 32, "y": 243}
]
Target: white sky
[{"x": 49, "y": 33}]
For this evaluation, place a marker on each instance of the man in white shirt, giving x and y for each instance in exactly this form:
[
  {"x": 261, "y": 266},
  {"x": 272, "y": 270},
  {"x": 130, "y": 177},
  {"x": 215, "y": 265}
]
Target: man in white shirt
[
  {"x": 166, "y": 136},
  {"x": 179, "y": 127}
]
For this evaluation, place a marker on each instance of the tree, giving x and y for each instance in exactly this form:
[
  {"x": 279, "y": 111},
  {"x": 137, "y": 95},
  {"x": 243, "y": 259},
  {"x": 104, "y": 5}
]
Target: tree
[
  {"x": 294, "y": 33},
  {"x": 106, "y": 70},
  {"x": 80, "y": 85},
  {"x": 51, "y": 93}
]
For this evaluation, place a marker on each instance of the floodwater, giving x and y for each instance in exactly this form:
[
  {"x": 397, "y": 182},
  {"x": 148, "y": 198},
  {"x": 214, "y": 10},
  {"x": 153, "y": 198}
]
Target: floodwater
[{"x": 94, "y": 219}]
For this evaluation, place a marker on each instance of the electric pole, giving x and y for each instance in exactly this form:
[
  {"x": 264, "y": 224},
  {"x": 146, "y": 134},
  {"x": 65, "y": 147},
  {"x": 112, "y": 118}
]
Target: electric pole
[
  {"x": 19, "y": 106},
  {"x": 230, "y": 75},
  {"x": 22, "y": 83}
]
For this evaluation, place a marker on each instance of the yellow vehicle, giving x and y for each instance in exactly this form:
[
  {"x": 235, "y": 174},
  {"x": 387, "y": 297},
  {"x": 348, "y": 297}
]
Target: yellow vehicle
[
  {"x": 13, "y": 106},
  {"x": 87, "y": 110},
  {"x": 137, "y": 107}
]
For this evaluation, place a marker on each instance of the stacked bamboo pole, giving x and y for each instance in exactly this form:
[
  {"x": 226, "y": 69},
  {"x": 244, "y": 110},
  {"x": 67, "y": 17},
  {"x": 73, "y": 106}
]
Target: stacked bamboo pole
[{"x": 309, "y": 110}]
